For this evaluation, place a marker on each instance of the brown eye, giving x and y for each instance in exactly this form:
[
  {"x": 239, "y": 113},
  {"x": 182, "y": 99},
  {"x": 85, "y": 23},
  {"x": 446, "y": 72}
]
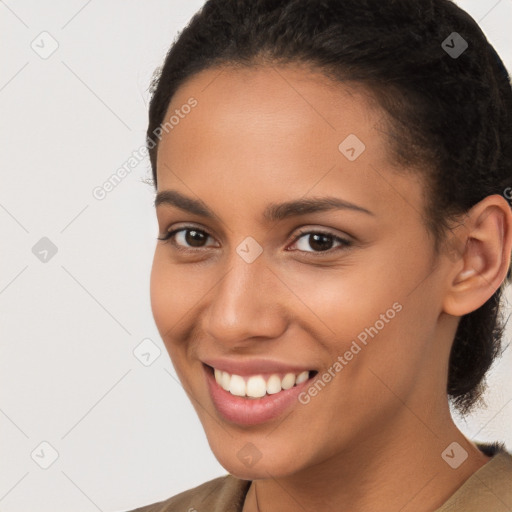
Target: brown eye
[
  {"x": 319, "y": 241},
  {"x": 186, "y": 238},
  {"x": 195, "y": 238}
]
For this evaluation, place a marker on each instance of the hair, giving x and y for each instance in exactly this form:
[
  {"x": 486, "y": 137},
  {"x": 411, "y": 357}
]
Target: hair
[{"x": 448, "y": 117}]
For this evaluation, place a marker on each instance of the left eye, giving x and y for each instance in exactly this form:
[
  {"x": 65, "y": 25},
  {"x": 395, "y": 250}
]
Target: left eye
[{"x": 319, "y": 241}]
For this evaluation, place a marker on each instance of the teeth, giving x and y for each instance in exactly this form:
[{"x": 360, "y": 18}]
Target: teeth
[
  {"x": 288, "y": 381},
  {"x": 273, "y": 385},
  {"x": 302, "y": 377},
  {"x": 237, "y": 386},
  {"x": 226, "y": 379},
  {"x": 256, "y": 387}
]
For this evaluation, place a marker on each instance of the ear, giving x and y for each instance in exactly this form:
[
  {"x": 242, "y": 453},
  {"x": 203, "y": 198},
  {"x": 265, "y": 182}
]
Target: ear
[{"x": 485, "y": 242}]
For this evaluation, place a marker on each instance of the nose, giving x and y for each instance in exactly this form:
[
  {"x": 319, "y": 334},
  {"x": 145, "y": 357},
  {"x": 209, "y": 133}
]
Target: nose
[{"x": 246, "y": 304}]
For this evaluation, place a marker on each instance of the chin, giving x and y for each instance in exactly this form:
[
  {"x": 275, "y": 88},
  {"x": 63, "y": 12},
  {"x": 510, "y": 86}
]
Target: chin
[{"x": 249, "y": 463}]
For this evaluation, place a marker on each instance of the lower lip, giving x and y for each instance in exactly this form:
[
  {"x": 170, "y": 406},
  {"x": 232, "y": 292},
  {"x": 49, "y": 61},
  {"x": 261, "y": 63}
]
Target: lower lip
[{"x": 247, "y": 411}]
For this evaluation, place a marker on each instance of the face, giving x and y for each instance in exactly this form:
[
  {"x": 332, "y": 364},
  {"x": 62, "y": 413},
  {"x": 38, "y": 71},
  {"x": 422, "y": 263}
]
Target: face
[{"x": 326, "y": 311}]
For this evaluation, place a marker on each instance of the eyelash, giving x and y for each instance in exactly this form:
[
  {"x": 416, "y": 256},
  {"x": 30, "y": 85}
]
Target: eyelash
[{"x": 170, "y": 237}]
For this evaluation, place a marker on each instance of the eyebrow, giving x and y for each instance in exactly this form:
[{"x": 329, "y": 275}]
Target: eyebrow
[{"x": 273, "y": 212}]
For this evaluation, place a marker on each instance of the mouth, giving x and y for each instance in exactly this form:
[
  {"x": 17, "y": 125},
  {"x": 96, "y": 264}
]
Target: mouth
[
  {"x": 253, "y": 399},
  {"x": 259, "y": 385}
]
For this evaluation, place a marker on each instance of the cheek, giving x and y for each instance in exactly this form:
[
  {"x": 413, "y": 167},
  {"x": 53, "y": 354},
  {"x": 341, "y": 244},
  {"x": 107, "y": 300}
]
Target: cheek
[
  {"x": 343, "y": 302},
  {"x": 366, "y": 314},
  {"x": 171, "y": 295},
  {"x": 174, "y": 291},
  {"x": 170, "y": 302}
]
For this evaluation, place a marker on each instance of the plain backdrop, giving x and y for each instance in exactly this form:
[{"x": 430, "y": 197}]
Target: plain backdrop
[{"x": 86, "y": 423}]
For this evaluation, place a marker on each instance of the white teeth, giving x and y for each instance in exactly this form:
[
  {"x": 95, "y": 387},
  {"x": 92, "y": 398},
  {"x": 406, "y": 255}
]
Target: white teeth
[
  {"x": 273, "y": 385},
  {"x": 237, "y": 386},
  {"x": 225, "y": 381},
  {"x": 256, "y": 387},
  {"x": 302, "y": 377},
  {"x": 288, "y": 381}
]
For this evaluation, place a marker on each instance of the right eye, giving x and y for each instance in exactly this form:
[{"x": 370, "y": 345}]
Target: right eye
[{"x": 188, "y": 238}]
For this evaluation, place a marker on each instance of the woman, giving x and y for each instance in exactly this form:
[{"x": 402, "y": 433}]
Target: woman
[{"x": 334, "y": 241}]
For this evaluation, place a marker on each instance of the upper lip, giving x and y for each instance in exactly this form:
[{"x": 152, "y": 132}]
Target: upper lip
[{"x": 254, "y": 366}]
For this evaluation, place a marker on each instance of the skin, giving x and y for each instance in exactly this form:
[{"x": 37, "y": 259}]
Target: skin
[{"x": 372, "y": 438}]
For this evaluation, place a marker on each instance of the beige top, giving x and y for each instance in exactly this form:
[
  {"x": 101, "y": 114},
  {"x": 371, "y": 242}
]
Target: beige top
[{"x": 489, "y": 489}]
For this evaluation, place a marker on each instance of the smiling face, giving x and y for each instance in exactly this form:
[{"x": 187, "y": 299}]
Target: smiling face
[{"x": 344, "y": 286}]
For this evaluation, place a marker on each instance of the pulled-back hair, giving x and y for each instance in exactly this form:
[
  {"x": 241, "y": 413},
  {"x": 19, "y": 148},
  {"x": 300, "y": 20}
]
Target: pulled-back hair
[{"x": 449, "y": 116}]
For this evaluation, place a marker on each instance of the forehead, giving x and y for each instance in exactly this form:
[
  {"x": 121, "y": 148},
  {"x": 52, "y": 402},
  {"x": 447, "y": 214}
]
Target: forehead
[
  {"x": 278, "y": 133},
  {"x": 267, "y": 112}
]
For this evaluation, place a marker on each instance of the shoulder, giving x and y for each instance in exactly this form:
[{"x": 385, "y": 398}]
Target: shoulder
[
  {"x": 223, "y": 494},
  {"x": 489, "y": 488}
]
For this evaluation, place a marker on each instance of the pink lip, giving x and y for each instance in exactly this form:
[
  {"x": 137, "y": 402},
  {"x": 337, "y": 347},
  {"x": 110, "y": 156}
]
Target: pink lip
[
  {"x": 246, "y": 411},
  {"x": 254, "y": 366}
]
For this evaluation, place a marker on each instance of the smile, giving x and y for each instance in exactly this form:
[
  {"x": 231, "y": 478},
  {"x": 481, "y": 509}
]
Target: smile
[
  {"x": 256, "y": 396},
  {"x": 257, "y": 386}
]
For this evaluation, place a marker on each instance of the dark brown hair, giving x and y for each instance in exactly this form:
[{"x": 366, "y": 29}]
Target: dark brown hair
[{"x": 449, "y": 115}]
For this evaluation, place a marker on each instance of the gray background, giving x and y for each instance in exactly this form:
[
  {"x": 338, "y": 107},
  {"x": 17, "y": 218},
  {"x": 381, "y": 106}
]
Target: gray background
[{"x": 120, "y": 428}]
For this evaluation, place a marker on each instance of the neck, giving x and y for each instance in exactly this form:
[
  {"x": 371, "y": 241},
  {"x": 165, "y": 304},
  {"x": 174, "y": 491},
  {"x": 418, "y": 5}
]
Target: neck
[{"x": 399, "y": 468}]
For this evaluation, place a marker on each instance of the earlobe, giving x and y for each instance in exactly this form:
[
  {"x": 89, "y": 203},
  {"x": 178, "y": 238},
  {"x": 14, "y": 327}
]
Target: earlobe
[{"x": 485, "y": 258}]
